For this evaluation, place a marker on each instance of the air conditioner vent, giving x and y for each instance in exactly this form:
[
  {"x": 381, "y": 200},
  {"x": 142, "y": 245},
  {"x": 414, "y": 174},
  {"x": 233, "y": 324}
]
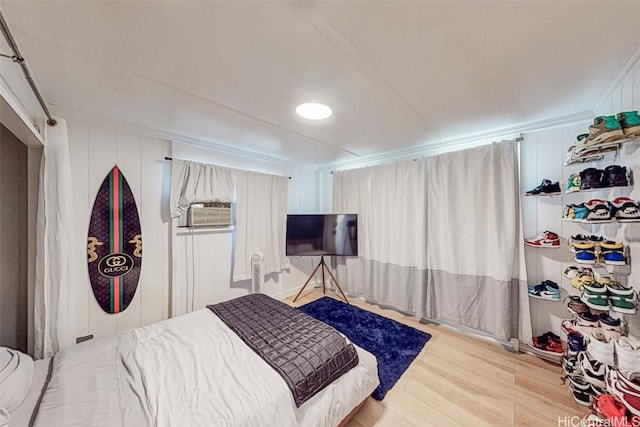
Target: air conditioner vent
[{"x": 201, "y": 216}]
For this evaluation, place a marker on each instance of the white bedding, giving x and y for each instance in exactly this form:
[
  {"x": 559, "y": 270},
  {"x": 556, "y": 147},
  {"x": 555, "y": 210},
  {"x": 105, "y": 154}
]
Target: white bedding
[{"x": 188, "y": 371}]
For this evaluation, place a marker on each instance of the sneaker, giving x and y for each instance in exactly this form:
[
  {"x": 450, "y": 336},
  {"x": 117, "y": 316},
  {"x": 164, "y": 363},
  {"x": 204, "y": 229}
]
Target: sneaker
[
  {"x": 575, "y": 343},
  {"x": 570, "y": 365},
  {"x": 626, "y": 387},
  {"x": 628, "y": 354},
  {"x": 585, "y": 253},
  {"x": 581, "y": 238},
  {"x": 575, "y": 305},
  {"x": 625, "y": 209},
  {"x": 580, "y": 389},
  {"x": 604, "y": 129},
  {"x": 611, "y": 327},
  {"x": 597, "y": 211},
  {"x": 592, "y": 370},
  {"x": 546, "y": 187},
  {"x": 574, "y": 212},
  {"x": 610, "y": 410},
  {"x": 624, "y": 305},
  {"x": 599, "y": 348},
  {"x": 573, "y": 183},
  {"x": 545, "y": 239},
  {"x": 571, "y": 271},
  {"x": 617, "y": 289},
  {"x": 595, "y": 300},
  {"x": 548, "y": 290},
  {"x": 612, "y": 253},
  {"x": 592, "y": 420},
  {"x": 591, "y": 178},
  {"x": 584, "y": 277},
  {"x": 630, "y": 122},
  {"x": 548, "y": 343},
  {"x": 579, "y": 212},
  {"x": 615, "y": 176},
  {"x": 570, "y": 157},
  {"x": 586, "y": 322}
]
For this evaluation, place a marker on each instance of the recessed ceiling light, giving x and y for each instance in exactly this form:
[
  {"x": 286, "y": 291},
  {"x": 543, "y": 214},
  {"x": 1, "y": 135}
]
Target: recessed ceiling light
[{"x": 313, "y": 111}]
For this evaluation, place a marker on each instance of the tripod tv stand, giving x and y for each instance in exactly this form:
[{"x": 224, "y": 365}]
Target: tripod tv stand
[{"x": 324, "y": 288}]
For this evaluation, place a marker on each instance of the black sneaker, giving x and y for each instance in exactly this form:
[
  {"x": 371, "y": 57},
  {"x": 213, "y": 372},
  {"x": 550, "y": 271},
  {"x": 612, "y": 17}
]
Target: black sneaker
[
  {"x": 591, "y": 178},
  {"x": 615, "y": 176},
  {"x": 580, "y": 389},
  {"x": 546, "y": 187},
  {"x": 597, "y": 211}
]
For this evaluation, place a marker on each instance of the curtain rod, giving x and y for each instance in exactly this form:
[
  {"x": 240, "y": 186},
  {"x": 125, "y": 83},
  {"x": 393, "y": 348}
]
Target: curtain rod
[
  {"x": 171, "y": 158},
  {"x": 20, "y": 60}
]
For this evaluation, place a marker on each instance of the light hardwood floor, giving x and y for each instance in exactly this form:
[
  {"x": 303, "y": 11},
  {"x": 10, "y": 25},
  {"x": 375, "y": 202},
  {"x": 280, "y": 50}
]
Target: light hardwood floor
[{"x": 459, "y": 379}]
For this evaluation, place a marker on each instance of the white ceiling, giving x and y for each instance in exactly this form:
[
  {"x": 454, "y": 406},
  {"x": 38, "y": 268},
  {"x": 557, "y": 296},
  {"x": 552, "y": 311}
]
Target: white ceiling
[{"x": 397, "y": 74}]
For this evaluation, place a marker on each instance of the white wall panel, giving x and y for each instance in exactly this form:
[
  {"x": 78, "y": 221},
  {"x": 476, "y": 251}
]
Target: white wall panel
[
  {"x": 541, "y": 157},
  {"x": 155, "y": 283},
  {"x": 79, "y": 154},
  {"x": 94, "y": 150}
]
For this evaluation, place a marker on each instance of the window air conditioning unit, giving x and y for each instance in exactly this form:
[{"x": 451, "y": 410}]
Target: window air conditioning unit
[{"x": 209, "y": 214}]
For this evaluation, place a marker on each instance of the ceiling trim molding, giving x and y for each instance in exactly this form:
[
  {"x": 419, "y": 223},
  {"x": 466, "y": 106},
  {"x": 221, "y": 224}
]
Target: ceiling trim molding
[
  {"x": 461, "y": 143},
  {"x": 229, "y": 150},
  {"x": 619, "y": 77}
]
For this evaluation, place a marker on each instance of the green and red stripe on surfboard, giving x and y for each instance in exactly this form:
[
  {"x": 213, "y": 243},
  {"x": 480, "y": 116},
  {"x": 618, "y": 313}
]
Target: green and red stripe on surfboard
[{"x": 114, "y": 244}]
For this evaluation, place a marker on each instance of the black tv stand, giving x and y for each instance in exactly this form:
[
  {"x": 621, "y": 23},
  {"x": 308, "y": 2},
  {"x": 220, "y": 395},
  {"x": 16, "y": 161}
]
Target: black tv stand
[{"x": 324, "y": 287}]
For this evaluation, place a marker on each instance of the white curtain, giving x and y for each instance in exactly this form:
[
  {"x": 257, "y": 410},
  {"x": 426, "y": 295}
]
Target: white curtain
[
  {"x": 261, "y": 215},
  {"x": 477, "y": 275},
  {"x": 441, "y": 238},
  {"x": 193, "y": 181},
  {"x": 54, "y": 299},
  {"x": 390, "y": 201}
]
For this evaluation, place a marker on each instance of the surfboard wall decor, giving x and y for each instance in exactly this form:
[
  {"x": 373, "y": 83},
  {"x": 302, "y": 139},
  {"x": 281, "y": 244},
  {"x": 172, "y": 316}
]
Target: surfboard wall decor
[{"x": 114, "y": 244}]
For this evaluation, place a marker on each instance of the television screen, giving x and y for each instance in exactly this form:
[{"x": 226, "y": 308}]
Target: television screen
[{"x": 328, "y": 234}]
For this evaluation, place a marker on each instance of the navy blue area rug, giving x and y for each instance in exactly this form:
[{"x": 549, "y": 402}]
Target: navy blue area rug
[{"x": 394, "y": 345}]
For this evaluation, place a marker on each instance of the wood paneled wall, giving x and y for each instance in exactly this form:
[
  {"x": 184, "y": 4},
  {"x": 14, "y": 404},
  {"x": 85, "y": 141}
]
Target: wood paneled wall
[
  {"x": 94, "y": 150},
  {"x": 542, "y": 156}
]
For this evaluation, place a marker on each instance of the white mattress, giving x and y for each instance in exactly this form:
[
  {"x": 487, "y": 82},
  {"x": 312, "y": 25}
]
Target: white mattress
[{"x": 188, "y": 371}]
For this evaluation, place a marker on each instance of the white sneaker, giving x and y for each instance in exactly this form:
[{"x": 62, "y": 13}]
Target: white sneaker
[
  {"x": 592, "y": 371},
  {"x": 601, "y": 349},
  {"x": 628, "y": 354},
  {"x": 626, "y": 388}
]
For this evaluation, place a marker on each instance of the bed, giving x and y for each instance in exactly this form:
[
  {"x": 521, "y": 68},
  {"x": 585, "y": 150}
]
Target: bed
[{"x": 191, "y": 370}]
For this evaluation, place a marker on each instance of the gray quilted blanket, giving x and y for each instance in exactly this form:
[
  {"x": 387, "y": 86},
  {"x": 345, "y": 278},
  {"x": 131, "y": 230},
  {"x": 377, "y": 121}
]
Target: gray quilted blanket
[{"x": 307, "y": 353}]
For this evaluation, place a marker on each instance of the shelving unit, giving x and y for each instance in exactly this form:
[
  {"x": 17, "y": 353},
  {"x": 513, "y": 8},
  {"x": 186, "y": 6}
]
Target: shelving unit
[{"x": 607, "y": 154}]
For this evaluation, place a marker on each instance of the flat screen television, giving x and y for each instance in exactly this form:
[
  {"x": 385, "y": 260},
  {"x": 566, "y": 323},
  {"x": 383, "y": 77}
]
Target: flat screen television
[{"x": 322, "y": 234}]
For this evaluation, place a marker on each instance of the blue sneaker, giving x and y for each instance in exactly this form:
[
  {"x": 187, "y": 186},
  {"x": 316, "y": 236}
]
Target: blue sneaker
[
  {"x": 575, "y": 342},
  {"x": 548, "y": 290},
  {"x": 585, "y": 253},
  {"x": 580, "y": 212},
  {"x": 612, "y": 253},
  {"x": 574, "y": 212}
]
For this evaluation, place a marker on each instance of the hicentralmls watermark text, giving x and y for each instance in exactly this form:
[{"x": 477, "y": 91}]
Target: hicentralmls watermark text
[{"x": 576, "y": 421}]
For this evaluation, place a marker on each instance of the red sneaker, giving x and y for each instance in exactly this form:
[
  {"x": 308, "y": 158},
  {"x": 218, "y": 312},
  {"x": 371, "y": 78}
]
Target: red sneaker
[
  {"x": 610, "y": 408},
  {"x": 544, "y": 239}
]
